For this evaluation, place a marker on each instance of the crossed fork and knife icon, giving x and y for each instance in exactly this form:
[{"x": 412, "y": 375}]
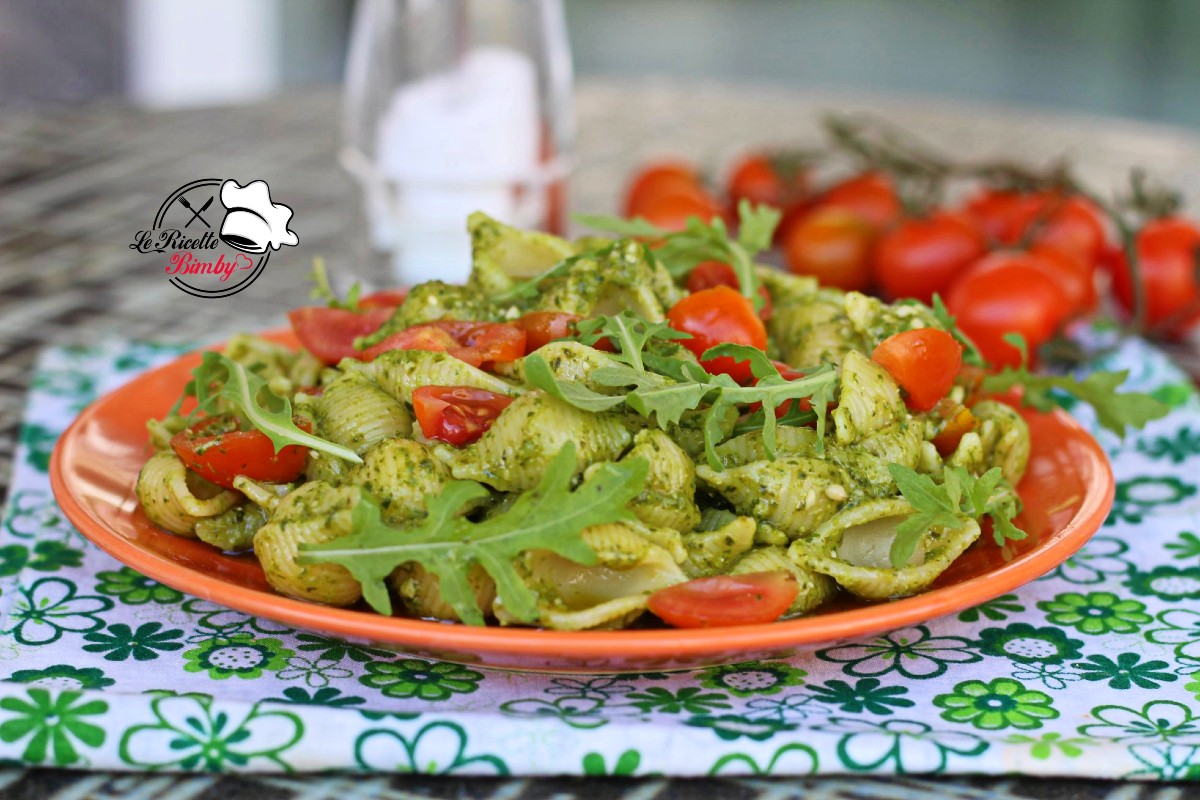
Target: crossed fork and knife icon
[{"x": 196, "y": 214}]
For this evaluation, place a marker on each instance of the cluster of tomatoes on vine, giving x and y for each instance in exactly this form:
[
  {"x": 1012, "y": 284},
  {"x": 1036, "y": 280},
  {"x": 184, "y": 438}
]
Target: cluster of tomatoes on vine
[{"x": 1006, "y": 258}]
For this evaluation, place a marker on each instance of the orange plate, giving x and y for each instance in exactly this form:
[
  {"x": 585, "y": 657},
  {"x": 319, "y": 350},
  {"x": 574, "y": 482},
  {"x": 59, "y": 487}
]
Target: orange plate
[{"x": 1067, "y": 490}]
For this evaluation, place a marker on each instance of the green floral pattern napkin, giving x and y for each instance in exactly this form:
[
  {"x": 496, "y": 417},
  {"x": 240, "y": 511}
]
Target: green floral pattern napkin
[{"x": 1092, "y": 670}]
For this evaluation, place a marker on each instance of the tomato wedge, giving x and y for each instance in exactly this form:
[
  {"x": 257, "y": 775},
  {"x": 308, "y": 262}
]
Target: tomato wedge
[
  {"x": 543, "y": 327},
  {"x": 708, "y": 274},
  {"x": 457, "y": 415},
  {"x": 924, "y": 362},
  {"x": 715, "y": 316},
  {"x": 217, "y": 452},
  {"x": 329, "y": 333},
  {"x": 384, "y": 298},
  {"x": 480, "y": 344},
  {"x": 751, "y": 599},
  {"x": 957, "y": 422}
]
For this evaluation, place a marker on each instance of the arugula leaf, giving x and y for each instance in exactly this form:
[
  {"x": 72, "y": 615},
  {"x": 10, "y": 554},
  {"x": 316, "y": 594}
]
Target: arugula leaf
[
  {"x": 528, "y": 289},
  {"x": 539, "y": 374},
  {"x": 629, "y": 334},
  {"x": 958, "y": 498},
  {"x": 1114, "y": 410},
  {"x": 323, "y": 291},
  {"x": 548, "y": 517},
  {"x": 219, "y": 377},
  {"x": 971, "y": 354}
]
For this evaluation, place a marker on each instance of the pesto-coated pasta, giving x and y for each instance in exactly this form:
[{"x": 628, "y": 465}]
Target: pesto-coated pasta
[
  {"x": 355, "y": 412},
  {"x": 175, "y": 498},
  {"x": 400, "y": 372}
]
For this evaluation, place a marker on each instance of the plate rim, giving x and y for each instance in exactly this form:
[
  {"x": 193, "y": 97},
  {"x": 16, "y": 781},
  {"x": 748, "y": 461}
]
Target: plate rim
[{"x": 576, "y": 646}]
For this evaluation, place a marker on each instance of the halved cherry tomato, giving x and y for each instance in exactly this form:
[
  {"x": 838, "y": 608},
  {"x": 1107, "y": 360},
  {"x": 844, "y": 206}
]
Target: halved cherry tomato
[
  {"x": 543, "y": 327},
  {"x": 921, "y": 257},
  {"x": 458, "y": 415},
  {"x": 956, "y": 422},
  {"x": 480, "y": 344},
  {"x": 1003, "y": 293},
  {"x": 329, "y": 333},
  {"x": 384, "y": 298},
  {"x": 924, "y": 363},
  {"x": 657, "y": 178},
  {"x": 761, "y": 179},
  {"x": 871, "y": 196},
  {"x": 708, "y": 274},
  {"x": 1168, "y": 254},
  {"x": 671, "y": 212},
  {"x": 834, "y": 246},
  {"x": 751, "y": 599},
  {"x": 715, "y": 316},
  {"x": 217, "y": 452}
]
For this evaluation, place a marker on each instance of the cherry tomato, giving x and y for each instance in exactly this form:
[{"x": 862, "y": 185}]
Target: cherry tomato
[
  {"x": 751, "y": 599},
  {"x": 999, "y": 213},
  {"x": 661, "y": 177},
  {"x": 216, "y": 451},
  {"x": 543, "y": 327},
  {"x": 834, "y": 246},
  {"x": 384, "y": 298},
  {"x": 457, "y": 415},
  {"x": 1003, "y": 293},
  {"x": 956, "y": 422},
  {"x": 480, "y": 344},
  {"x": 672, "y": 211},
  {"x": 708, "y": 274},
  {"x": 763, "y": 180},
  {"x": 870, "y": 196},
  {"x": 715, "y": 316},
  {"x": 924, "y": 363},
  {"x": 920, "y": 257},
  {"x": 329, "y": 333},
  {"x": 1068, "y": 223},
  {"x": 1167, "y": 258},
  {"x": 1076, "y": 278}
]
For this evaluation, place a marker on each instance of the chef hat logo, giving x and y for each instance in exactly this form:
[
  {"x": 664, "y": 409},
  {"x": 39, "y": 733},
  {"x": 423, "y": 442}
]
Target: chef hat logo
[{"x": 252, "y": 222}]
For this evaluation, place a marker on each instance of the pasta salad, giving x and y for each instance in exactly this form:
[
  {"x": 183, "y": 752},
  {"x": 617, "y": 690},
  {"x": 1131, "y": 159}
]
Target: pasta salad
[{"x": 589, "y": 430}]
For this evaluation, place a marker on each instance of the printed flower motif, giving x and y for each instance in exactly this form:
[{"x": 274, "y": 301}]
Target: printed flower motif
[
  {"x": 327, "y": 696},
  {"x": 752, "y": 678},
  {"x": 1187, "y": 545},
  {"x": 1159, "y": 720},
  {"x": 786, "y": 708},
  {"x": 625, "y": 765},
  {"x": 997, "y": 704},
  {"x": 1193, "y": 685},
  {"x": 141, "y": 355},
  {"x": 1099, "y": 559},
  {"x": 74, "y": 384},
  {"x": 119, "y": 642},
  {"x": 790, "y": 759},
  {"x": 578, "y": 712},
  {"x": 1174, "y": 394},
  {"x": 1172, "y": 762},
  {"x": 426, "y": 680},
  {"x": 1052, "y": 676},
  {"x": 192, "y": 733},
  {"x": 1183, "y": 444},
  {"x": 439, "y": 748},
  {"x": 39, "y": 442},
  {"x": 911, "y": 652},
  {"x": 47, "y": 556},
  {"x": 223, "y": 623},
  {"x": 242, "y": 656},
  {"x": 1024, "y": 644},
  {"x": 1140, "y": 496},
  {"x": 43, "y": 612},
  {"x": 866, "y": 694},
  {"x": 688, "y": 699},
  {"x": 1125, "y": 671},
  {"x": 601, "y": 688},
  {"x": 910, "y": 746},
  {"x": 734, "y": 726},
  {"x": 1095, "y": 613},
  {"x": 135, "y": 589},
  {"x": 314, "y": 672},
  {"x": 326, "y": 649},
  {"x": 63, "y": 676},
  {"x": 1045, "y": 745},
  {"x": 52, "y": 726},
  {"x": 995, "y": 610},
  {"x": 1182, "y": 630},
  {"x": 1167, "y": 583},
  {"x": 32, "y": 513}
]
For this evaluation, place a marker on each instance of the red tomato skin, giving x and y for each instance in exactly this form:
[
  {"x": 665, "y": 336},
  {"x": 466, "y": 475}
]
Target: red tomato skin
[
  {"x": 957, "y": 422},
  {"x": 479, "y": 344},
  {"x": 921, "y": 257},
  {"x": 708, "y": 274},
  {"x": 715, "y": 316},
  {"x": 1167, "y": 255},
  {"x": 329, "y": 333},
  {"x": 457, "y": 415},
  {"x": 1076, "y": 278},
  {"x": 870, "y": 196},
  {"x": 384, "y": 298},
  {"x": 221, "y": 458},
  {"x": 924, "y": 363},
  {"x": 1072, "y": 225},
  {"x": 1002, "y": 293},
  {"x": 834, "y": 246},
  {"x": 755, "y": 178},
  {"x": 543, "y": 327},
  {"x": 999, "y": 214},
  {"x": 667, "y": 176},
  {"x": 671, "y": 212},
  {"x": 751, "y": 599}
]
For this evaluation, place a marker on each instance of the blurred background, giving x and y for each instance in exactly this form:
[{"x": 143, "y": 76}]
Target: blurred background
[{"x": 1131, "y": 58}]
